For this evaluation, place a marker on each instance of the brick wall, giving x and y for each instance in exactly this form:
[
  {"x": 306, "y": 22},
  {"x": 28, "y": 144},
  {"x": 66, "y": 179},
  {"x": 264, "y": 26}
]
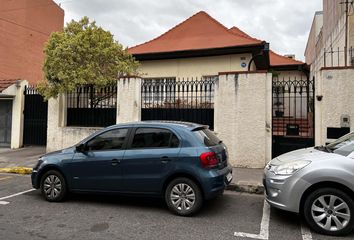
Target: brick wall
[{"x": 25, "y": 26}]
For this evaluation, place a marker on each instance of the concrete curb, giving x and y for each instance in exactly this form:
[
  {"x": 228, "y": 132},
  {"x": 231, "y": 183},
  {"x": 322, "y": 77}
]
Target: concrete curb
[
  {"x": 16, "y": 170},
  {"x": 254, "y": 188}
]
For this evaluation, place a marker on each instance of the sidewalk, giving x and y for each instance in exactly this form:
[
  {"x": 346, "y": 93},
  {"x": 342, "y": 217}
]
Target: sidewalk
[
  {"x": 247, "y": 180},
  {"x": 23, "y": 157},
  {"x": 22, "y": 160}
]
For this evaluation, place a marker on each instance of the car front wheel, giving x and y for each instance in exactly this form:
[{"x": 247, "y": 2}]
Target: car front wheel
[
  {"x": 53, "y": 186},
  {"x": 330, "y": 211},
  {"x": 183, "y": 196}
]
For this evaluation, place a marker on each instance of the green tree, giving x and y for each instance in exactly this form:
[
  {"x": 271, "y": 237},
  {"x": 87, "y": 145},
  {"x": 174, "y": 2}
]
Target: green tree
[{"x": 83, "y": 54}]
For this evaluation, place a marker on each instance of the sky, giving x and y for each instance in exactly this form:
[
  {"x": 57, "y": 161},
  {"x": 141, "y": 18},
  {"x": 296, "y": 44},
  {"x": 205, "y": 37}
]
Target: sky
[{"x": 285, "y": 24}]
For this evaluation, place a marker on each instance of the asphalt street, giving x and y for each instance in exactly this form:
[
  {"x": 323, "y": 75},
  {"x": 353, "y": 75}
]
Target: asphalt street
[{"x": 81, "y": 216}]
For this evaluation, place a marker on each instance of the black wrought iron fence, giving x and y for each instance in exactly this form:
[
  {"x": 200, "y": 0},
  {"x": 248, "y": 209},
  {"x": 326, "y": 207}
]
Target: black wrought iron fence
[
  {"x": 181, "y": 99},
  {"x": 338, "y": 57},
  {"x": 89, "y": 106}
]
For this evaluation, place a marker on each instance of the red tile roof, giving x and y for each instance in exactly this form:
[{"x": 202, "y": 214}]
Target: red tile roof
[
  {"x": 5, "y": 83},
  {"x": 279, "y": 60},
  {"x": 235, "y": 30},
  {"x": 200, "y": 31},
  {"x": 274, "y": 58}
]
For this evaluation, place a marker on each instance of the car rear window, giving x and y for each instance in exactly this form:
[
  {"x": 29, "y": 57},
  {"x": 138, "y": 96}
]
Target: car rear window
[{"x": 207, "y": 137}]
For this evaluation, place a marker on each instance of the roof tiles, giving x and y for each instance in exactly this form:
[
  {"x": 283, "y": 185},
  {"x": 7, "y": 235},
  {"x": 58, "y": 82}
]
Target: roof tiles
[
  {"x": 200, "y": 31},
  {"x": 5, "y": 83}
]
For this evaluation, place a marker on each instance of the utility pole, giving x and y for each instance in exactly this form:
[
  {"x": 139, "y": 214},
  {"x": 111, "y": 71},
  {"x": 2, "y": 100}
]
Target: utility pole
[{"x": 347, "y": 2}]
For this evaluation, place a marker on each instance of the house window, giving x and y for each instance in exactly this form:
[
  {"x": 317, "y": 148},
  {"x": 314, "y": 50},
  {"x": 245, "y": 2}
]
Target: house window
[{"x": 89, "y": 106}]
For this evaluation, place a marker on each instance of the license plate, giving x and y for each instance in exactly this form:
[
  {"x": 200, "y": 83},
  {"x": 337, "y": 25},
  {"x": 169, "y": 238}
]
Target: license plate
[{"x": 229, "y": 177}]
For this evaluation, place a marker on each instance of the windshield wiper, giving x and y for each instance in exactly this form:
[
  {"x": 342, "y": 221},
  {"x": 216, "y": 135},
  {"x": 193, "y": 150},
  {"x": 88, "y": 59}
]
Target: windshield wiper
[{"x": 323, "y": 148}]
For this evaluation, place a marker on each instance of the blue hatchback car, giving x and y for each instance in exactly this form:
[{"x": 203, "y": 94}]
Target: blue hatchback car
[{"x": 183, "y": 162}]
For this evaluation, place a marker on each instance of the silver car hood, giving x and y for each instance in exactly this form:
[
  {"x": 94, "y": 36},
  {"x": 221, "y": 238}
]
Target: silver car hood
[{"x": 305, "y": 154}]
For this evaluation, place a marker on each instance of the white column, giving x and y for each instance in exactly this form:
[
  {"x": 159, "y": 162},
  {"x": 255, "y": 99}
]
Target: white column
[
  {"x": 242, "y": 117},
  {"x": 129, "y": 100}
]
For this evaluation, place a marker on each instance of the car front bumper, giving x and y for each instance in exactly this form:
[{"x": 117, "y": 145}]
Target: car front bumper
[
  {"x": 284, "y": 192},
  {"x": 34, "y": 179}
]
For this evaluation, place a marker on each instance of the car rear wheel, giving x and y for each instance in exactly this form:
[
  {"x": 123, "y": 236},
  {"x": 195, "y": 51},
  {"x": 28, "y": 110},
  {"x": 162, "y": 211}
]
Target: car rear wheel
[
  {"x": 330, "y": 211},
  {"x": 53, "y": 186},
  {"x": 183, "y": 196}
]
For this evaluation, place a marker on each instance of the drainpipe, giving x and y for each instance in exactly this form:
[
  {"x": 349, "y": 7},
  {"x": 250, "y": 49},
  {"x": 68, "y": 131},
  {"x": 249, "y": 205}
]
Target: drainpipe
[{"x": 260, "y": 54}]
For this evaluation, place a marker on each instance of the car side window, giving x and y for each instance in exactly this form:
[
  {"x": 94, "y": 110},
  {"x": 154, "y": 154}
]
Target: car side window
[
  {"x": 154, "y": 138},
  {"x": 110, "y": 140}
]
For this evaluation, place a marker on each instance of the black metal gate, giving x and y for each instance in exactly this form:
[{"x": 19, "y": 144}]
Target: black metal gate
[
  {"x": 179, "y": 99},
  {"x": 35, "y": 118},
  {"x": 293, "y": 114}
]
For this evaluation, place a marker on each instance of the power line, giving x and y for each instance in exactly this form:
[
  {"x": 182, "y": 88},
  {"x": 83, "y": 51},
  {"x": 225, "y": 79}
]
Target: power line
[
  {"x": 29, "y": 28},
  {"x": 37, "y": 6}
]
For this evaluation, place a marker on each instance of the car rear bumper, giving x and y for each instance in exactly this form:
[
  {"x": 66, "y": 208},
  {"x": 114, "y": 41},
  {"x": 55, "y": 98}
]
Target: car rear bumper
[{"x": 216, "y": 182}]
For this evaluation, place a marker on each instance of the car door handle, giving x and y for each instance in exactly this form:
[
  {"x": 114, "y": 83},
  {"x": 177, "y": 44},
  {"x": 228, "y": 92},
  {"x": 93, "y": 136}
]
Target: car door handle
[
  {"x": 115, "y": 162},
  {"x": 165, "y": 159}
]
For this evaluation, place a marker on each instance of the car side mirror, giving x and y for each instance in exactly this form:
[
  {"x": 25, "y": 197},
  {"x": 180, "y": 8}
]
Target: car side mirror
[{"x": 81, "y": 147}]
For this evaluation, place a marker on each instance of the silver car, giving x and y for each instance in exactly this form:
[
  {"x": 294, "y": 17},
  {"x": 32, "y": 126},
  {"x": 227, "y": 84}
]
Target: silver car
[{"x": 317, "y": 183}]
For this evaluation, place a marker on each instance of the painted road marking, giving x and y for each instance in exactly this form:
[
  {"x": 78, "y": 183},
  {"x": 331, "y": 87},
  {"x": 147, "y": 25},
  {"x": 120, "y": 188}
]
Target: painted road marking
[
  {"x": 305, "y": 232},
  {"x": 16, "y": 194},
  {"x": 3, "y": 202},
  {"x": 4, "y": 178},
  {"x": 264, "y": 232}
]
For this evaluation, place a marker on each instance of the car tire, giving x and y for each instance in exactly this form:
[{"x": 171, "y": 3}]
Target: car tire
[
  {"x": 183, "y": 196},
  {"x": 53, "y": 186},
  {"x": 330, "y": 211}
]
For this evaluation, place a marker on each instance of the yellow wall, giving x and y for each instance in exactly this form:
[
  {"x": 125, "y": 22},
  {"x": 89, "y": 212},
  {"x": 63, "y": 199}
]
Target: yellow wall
[
  {"x": 194, "y": 67},
  {"x": 292, "y": 75}
]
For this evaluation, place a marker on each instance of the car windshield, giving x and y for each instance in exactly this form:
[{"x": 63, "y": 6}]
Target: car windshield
[{"x": 343, "y": 146}]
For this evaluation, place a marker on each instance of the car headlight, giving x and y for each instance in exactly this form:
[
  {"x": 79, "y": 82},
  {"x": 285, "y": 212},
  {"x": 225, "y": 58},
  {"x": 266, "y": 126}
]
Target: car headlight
[{"x": 290, "y": 167}]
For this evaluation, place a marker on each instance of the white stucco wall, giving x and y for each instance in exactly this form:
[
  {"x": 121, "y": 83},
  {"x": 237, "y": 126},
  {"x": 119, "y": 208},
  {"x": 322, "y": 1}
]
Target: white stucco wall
[
  {"x": 242, "y": 120},
  {"x": 58, "y": 135},
  {"x": 129, "y": 100},
  {"x": 17, "y": 112},
  {"x": 336, "y": 86}
]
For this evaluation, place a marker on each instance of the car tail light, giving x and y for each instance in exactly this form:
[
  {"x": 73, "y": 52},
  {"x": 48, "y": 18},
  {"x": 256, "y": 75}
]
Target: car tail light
[{"x": 209, "y": 159}]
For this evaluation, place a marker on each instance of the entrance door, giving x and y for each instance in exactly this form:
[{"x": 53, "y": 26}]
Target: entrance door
[
  {"x": 5, "y": 122},
  {"x": 293, "y": 114},
  {"x": 35, "y": 118}
]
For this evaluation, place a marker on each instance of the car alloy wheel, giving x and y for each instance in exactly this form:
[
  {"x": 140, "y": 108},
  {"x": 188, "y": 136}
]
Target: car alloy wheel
[
  {"x": 183, "y": 196},
  {"x": 53, "y": 186},
  {"x": 329, "y": 211}
]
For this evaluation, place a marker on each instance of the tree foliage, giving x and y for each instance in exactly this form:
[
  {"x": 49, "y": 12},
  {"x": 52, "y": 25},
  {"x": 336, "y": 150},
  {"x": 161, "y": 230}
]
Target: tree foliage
[{"x": 83, "y": 54}]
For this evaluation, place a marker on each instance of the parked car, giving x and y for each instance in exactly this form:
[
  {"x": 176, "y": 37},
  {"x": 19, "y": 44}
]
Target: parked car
[
  {"x": 317, "y": 183},
  {"x": 183, "y": 162}
]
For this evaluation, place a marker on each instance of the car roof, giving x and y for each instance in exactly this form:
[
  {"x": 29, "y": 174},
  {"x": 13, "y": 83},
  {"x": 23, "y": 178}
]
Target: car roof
[{"x": 161, "y": 123}]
